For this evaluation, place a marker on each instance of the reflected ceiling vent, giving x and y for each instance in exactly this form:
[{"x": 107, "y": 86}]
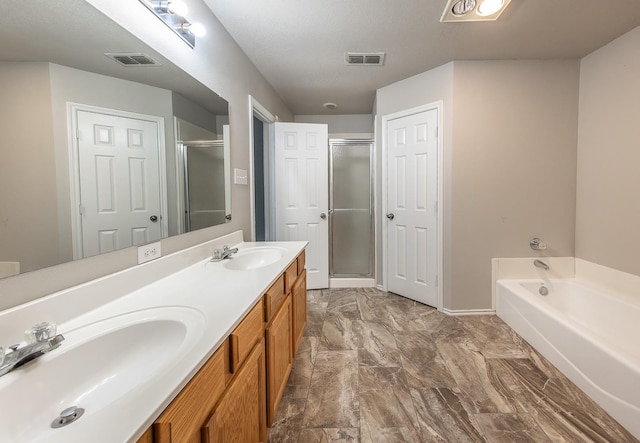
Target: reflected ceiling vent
[
  {"x": 364, "y": 58},
  {"x": 132, "y": 59}
]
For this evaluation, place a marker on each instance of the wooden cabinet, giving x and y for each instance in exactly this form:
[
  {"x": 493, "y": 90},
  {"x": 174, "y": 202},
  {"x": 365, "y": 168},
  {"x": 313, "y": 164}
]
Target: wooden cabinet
[
  {"x": 246, "y": 335},
  {"x": 273, "y": 298},
  {"x": 279, "y": 356},
  {"x": 240, "y": 414},
  {"x": 299, "y": 308},
  {"x": 184, "y": 417},
  {"x": 237, "y": 391}
]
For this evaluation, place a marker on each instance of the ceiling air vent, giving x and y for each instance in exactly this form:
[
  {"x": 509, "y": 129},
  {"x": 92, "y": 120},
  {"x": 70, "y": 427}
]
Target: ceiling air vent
[
  {"x": 132, "y": 59},
  {"x": 364, "y": 58}
]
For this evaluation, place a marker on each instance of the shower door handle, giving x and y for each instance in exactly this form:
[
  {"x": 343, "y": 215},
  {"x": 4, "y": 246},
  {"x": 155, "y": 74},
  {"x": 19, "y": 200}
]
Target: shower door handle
[{"x": 391, "y": 216}]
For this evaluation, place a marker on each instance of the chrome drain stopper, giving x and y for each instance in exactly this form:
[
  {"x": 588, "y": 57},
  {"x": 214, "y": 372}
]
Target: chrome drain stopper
[{"x": 67, "y": 417}]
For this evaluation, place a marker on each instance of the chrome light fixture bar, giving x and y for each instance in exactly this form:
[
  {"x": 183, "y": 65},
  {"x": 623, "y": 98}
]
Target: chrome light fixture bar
[
  {"x": 473, "y": 10},
  {"x": 172, "y": 14}
]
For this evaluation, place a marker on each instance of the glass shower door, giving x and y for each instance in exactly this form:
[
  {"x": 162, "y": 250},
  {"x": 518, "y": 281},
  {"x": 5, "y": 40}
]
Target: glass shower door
[{"x": 351, "y": 202}]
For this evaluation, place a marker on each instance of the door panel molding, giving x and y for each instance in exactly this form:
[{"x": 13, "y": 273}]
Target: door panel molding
[
  {"x": 401, "y": 138},
  {"x": 73, "y": 111}
]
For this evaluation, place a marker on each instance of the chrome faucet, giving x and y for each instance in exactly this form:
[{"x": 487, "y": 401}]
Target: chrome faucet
[
  {"x": 540, "y": 264},
  {"x": 221, "y": 254},
  {"x": 41, "y": 339}
]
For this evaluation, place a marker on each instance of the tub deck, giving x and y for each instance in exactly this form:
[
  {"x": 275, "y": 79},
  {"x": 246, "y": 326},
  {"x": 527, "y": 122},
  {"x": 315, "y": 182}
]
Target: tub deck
[{"x": 590, "y": 336}]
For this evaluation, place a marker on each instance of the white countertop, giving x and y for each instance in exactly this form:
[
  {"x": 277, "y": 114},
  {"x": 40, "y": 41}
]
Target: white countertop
[{"x": 206, "y": 295}]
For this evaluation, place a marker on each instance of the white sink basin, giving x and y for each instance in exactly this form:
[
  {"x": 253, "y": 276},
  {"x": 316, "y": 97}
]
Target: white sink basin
[
  {"x": 95, "y": 367},
  {"x": 254, "y": 258}
]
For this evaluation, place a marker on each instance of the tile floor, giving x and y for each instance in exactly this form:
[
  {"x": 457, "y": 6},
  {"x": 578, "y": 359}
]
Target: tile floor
[{"x": 376, "y": 367}]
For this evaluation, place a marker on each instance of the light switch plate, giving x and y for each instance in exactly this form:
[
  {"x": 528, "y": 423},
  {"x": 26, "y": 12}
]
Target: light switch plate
[{"x": 239, "y": 176}]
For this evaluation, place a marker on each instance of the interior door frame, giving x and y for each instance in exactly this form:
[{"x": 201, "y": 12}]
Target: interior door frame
[
  {"x": 74, "y": 167},
  {"x": 256, "y": 109},
  {"x": 440, "y": 213}
]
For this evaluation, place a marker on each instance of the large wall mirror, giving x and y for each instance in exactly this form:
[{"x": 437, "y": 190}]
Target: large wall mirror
[{"x": 105, "y": 144}]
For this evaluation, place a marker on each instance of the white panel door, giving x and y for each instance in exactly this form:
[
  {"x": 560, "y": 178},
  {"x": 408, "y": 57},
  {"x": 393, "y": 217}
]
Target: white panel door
[
  {"x": 412, "y": 169},
  {"x": 119, "y": 182},
  {"x": 302, "y": 193}
]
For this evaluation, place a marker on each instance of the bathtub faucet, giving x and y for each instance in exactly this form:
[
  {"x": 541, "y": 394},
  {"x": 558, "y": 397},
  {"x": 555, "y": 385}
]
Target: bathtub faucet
[{"x": 540, "y": 264}]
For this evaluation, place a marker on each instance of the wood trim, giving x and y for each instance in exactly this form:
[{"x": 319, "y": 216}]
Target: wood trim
[
  {"x": 290, "y": 276},
  {"x": 228, "y": 423},
  {"x": 274, "y": 297},
  {"x": 147, "y": 437},
  {"x": 246, "y": 335},
  {"x": 301, "y": 262},
  {"x": 182, "y": 419},
  {"x": 279, "y": 357}
]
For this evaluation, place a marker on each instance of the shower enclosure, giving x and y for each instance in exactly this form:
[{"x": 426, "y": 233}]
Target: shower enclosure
[{"x": 351, "y": 202}]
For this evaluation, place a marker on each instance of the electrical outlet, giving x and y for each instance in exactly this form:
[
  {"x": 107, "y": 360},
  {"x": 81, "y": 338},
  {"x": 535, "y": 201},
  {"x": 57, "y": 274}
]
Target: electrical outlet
[{"x": 149, "y": 252}]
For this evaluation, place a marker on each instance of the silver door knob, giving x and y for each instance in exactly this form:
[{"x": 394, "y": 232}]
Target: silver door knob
[
  {"x": 153, "y": 218},
  {"x": 323, "y": 216},
  {"x": 390, "y": 216}
]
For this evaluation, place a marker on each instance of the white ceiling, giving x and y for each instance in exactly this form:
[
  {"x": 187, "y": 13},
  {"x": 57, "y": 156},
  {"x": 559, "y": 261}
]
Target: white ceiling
[{"x": 299, "y": 45}]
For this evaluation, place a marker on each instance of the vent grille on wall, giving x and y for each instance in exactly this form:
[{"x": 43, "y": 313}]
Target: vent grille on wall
[
  {"x": 132, "y": 59},
  {"x": 364, "y": 58}
]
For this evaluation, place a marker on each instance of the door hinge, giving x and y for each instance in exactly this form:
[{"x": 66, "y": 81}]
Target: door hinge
[
  {"x": 77, "y": 133},
  {"x": 436, "y": 131},
  {"x": 82, "y": 209},
  {"x": 436, "y": 282},
  {"x": 435, "y": 207}
]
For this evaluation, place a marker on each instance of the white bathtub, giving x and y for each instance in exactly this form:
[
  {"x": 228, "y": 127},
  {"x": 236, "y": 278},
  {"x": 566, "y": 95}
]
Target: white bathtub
[{"x": 592, "y": 337}]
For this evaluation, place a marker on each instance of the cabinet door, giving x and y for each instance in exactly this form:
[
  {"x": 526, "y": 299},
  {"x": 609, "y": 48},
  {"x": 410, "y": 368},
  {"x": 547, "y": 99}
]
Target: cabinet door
[
  {"x": 240, "y": 415},
  {"x": 299, "y": 301},
  {"x": 279, "y": 357},
  {"x": 182, "y": 421}
]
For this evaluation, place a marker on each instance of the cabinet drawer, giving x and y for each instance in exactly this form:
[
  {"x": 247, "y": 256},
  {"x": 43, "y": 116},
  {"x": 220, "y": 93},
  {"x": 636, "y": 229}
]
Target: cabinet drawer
[
  {"x": 301, "y": 262},
  {"x": 274, "y": 297},
  {"x": 183, "y": 418},
  {"x": 246, "y": 335},
  {"x": 290, "y": 276}
]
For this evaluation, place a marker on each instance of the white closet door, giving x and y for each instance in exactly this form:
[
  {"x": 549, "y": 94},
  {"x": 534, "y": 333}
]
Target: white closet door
[{"x": 412, "y": 251}]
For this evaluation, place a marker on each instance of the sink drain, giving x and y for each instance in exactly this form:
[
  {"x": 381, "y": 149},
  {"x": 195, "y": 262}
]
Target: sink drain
[{"x": 67, "y": 417}]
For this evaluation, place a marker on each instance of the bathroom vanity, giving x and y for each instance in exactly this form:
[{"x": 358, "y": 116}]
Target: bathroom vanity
[
  {"x": 180, "y": 349},
  {"x": 236, "y": 393}
]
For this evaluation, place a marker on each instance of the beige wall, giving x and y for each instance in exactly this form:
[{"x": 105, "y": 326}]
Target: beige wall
[
  {"x": 429, "y": 87},
  {"x": 514, "y": 167},
  {"x": 341, "y": 123},
  {"x": 608, "y": 206},
  {"x": 70, "y": 85},
  {"x": 509, "y": 163},
  {"x": 27, "y": 167},
  {"x": 219, "y": 64}
]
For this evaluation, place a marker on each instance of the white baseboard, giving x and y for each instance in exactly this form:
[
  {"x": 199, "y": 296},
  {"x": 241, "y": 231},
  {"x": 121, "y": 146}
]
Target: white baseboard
[
  {"x": 352, "y": 283},
  {"x": 460, "y": 312}
]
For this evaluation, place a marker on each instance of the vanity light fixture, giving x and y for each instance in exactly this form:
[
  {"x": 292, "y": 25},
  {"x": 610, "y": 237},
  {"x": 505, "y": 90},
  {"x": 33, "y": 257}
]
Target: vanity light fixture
[
  {"x": 473, "y": 10},
  {"x": 172, "y": 13}
]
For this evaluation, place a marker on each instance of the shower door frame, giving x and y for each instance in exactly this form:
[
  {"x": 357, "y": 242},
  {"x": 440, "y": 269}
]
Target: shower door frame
[{"x": 343, "y": 141}]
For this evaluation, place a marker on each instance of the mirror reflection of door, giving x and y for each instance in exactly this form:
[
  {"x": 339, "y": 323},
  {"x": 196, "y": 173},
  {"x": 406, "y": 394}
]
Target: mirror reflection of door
[
  {"x": 118, "y": 182},
  {"x": 204, "y": 175},
  {"x": 204, "y": 180}
]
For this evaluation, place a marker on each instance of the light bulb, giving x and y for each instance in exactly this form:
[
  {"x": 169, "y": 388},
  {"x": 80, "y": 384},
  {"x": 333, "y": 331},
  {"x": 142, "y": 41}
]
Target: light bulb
[
  {"x": 198, "y": 29},
  {"x": 490, "y": 7},
  {"x": 178, "y": 7}
]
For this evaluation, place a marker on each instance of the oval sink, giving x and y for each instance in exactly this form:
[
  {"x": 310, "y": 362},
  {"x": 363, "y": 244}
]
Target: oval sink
[
  {"x": 254, "y": 258},
  {"x": 96, "y": 365}
]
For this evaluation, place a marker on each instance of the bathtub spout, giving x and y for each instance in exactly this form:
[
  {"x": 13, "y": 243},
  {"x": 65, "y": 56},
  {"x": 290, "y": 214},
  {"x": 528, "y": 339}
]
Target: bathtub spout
[{"x": 540, "y": 264}]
